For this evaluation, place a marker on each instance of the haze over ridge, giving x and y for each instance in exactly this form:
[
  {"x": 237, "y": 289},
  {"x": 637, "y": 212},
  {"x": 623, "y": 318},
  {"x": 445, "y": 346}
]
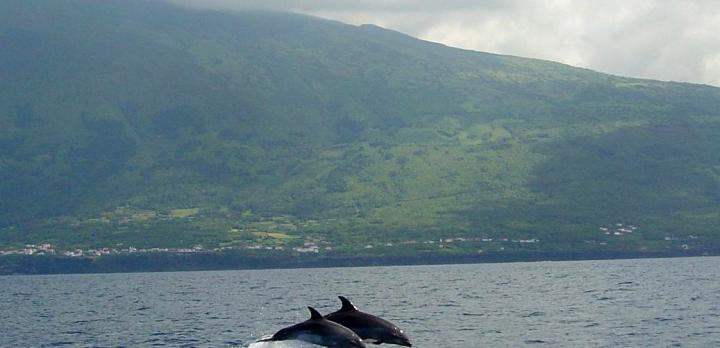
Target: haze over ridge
[{"x": 663, "y": 40}]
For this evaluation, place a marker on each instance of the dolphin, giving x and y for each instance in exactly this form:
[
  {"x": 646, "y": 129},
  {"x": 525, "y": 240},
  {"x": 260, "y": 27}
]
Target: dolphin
[
  {"x": 370, "y": 328},
  {"x": 320, "y": 331}
]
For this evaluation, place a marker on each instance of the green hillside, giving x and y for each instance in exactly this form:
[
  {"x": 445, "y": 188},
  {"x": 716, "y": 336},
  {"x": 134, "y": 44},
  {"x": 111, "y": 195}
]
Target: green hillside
[{"x": 139, "y": 123}]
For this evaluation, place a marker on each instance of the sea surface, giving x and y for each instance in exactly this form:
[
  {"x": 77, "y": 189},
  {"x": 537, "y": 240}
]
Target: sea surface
[{"x": 619, "y": 303}]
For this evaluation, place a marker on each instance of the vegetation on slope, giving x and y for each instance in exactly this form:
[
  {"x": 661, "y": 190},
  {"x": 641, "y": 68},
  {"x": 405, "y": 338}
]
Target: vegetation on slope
[{"x": 139, "y": 123}]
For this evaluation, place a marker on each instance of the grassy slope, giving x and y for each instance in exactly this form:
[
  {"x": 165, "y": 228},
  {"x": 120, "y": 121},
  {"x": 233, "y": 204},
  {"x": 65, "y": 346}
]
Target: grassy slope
[{"x": 115, "y": 114}]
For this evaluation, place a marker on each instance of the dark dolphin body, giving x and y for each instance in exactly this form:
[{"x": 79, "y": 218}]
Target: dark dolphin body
[
  {"x": 368, "y": 327},
  {"x": 320, "y": 331}
]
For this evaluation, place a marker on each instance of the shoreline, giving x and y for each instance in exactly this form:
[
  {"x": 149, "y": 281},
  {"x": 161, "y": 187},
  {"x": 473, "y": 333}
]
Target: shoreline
[{"x": 39, "y": 265}]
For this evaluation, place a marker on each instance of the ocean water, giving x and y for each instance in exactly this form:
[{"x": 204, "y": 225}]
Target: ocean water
[{"x": 618, "y": 303}]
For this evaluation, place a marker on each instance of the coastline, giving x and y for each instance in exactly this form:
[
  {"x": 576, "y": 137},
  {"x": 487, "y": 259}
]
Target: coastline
[{"x": 37, "y": 265}]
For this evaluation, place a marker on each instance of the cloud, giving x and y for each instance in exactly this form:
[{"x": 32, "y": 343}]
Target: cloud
[{"x": 658, "y": 39}]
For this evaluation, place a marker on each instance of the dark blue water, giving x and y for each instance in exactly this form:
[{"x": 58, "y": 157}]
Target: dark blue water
[{"x": 622, "y": 303}]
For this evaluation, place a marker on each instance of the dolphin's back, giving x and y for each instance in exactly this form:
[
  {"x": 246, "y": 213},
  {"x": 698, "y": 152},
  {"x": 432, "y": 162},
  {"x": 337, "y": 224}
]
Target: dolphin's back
[
  {"x": 367, "y": 326},
  {"x": 320, "y": 331},
  {"x": 363, "y": 324},
  {"x": 306, "y": 331}
]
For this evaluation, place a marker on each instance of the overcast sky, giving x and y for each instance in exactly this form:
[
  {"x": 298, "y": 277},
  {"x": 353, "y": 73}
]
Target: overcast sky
[{"x": 675, "y": 40}]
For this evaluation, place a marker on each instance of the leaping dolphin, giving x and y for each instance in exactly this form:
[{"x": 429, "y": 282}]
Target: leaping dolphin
[
  {"x": 320, "y": 331},
  {"x": 370, "y": 328}
]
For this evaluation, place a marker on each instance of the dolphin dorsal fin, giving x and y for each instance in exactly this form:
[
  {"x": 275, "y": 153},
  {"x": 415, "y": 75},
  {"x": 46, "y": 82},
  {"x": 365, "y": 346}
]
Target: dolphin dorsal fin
[
  {"x": 314, "y": 314},
  {"x": 346, "y": 305}
]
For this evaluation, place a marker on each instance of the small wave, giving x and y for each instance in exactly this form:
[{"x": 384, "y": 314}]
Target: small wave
[
  {"x": 73, "y": 332},
  {"x": 467, "y": 329},
  {"x": 623, "y": 289},
  {"x": 667, "y": 319},
  {"x": 534, "y": 314},
  {"x": 448, "y": 305}
]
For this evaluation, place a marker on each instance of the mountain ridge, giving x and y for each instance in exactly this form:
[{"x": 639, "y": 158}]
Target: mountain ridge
[{"x": 146, "y": 124}]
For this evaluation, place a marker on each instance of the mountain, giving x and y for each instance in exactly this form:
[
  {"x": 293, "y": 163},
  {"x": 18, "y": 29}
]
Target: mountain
[{"x": 141, "y": 123}]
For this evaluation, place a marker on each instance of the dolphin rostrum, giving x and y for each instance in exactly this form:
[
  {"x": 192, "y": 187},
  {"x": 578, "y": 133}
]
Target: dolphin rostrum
[
  {"x": 370, "y": 328},
  {"x": 320, "y": 331}
]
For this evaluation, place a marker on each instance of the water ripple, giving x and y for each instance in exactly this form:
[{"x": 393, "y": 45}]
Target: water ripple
[{"x": 622, "y": 303}]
